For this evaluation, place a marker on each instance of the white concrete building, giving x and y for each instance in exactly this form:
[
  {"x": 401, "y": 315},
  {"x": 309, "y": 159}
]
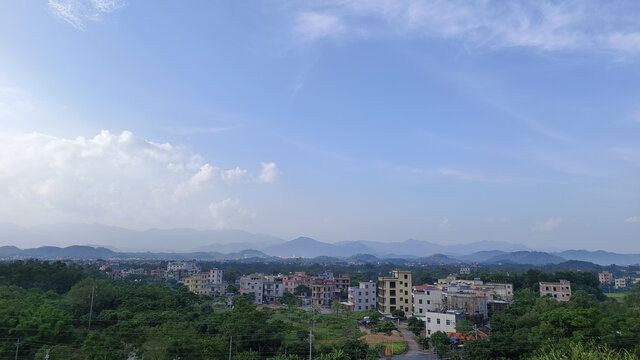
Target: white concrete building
[
  {"x": 445, "y": 322},
  {"x": 426, "y": 299},
  {"x": 362, "y": 297},
  {"x": 189, "y": 266},
  {"x": 253, "y": 283}
]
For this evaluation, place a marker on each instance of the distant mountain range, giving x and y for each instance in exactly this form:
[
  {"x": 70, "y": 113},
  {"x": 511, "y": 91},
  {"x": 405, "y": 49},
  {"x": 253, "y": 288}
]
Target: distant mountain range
[
  {"x": 234, "y": 245},
  {"x": 307, "y": 247},
  {"x": 172, "y": 240}
]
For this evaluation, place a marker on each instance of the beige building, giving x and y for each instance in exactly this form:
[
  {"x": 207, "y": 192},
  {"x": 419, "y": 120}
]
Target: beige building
[
  {"x": 605, "y": 277},
  {"x": 560, "y": 291},
  {"x": 254, "y": 284},
  {"x": 621, "y": 283},
  {"x": 205, "y": 283},
  {"x": 394, "y": 292}
]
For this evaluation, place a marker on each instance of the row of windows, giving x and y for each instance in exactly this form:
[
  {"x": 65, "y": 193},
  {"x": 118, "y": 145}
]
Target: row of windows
[{"x": 448, "y": 322}]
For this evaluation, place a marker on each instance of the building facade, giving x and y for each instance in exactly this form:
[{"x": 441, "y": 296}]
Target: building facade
[
  {"x": 322, "y": 292},
  {"x": 273, "y": 288},
  {"x": 426, "y": 298},
  {"x": 446, "y": 322},
  {"x": 205, "y": 283},
  {"x": 605, "y": 277},
  {"x": 394, "y": 293},
  {"x": 363, "y": 296},
  {"x": 560, "y": 291},
  {"x": 253, "y": 284},
  {"x": 469, "y": 303}
]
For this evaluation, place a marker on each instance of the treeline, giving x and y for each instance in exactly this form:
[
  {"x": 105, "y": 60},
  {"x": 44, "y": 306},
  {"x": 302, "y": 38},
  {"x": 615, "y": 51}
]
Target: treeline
[
  {"x": 581, "y": 328},
  {"x": 580, "y": 280}
]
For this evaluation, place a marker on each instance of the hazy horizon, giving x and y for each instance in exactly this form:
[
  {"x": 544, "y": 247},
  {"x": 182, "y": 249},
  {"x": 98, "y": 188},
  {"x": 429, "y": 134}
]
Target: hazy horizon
[{"x": 445, "y": 122}]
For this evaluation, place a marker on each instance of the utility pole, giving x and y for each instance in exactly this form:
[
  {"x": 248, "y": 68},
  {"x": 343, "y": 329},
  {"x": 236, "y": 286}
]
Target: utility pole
[
  {"x": 17, "y": 347},
  {"x": 310, "y": 343},
  {"x": 93, "y": 289},
  {"x": 230, "y": 343}
]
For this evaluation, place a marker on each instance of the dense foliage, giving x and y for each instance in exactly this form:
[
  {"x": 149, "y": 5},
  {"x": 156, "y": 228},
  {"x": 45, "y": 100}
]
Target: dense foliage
[
  {"x": 533, "y": 323},
  {"x": 47, "y": 306}
]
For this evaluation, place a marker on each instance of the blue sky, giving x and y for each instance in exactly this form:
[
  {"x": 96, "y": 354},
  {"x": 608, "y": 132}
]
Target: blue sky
[{"x": 380, "y": 120}]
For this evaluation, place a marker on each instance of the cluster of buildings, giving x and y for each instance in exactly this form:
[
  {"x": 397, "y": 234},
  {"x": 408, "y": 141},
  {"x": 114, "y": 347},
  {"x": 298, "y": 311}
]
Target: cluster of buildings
[
  {"x": 319, "y": 290},
  {"x": 199, "y": 282},
  {"x": 607, "y": 278}
]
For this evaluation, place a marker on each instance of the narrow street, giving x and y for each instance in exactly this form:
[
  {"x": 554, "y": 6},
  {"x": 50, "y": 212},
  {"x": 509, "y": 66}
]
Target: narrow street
[{"x": 414, "y": 350}]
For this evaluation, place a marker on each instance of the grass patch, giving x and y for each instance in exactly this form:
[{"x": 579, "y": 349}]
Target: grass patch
[{"x": 396, "y": 347}]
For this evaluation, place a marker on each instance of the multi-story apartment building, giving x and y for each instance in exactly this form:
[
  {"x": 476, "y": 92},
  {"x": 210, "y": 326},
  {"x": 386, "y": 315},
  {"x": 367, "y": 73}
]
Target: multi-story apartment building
[
  {"x": 205, "y": 283},
  {"x": 273, "y": 288},
  {"x": 498, "y": 291},
  {"x": 254, "y": 284},
  {"x": 363, "y": 296},
  {"x": 291, "y": 282},
  {"x": 426, "y": 298},
  {"x": 179, "y": 270},
  {"x": 465, "y": 270},
  {"x": 182, "y": 265},
  {"x": 322, "y": 292},
  {"x": 467, "y": 302},
  {"x": 620, "y": 283},
  {"x": 394, "y": 292},
  {"x": 342, "y": 281},
  {"x": 605, "y": 277},
  {"x": 560, "y": 291},
  {"x": 442, "y": 321}
]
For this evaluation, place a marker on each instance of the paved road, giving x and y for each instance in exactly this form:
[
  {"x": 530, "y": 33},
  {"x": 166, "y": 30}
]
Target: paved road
[{"x": 414, "y": 351}]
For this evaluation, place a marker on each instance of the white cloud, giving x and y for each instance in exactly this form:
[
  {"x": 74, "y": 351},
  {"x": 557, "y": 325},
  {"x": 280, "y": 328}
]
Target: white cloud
[
  {"x": 549, "y": 225},
  {"x": 227, "y": 213},
  {"x": 119, "y": 179},
  {"x": 313, "y": 26},
  {"x": 445, "y": 224},
  {"x": 269, "y": 173},
  {"x": 632, "y": 220},
  {"x": 544, "y": 25},
  {"x": 78, "y": 12}
]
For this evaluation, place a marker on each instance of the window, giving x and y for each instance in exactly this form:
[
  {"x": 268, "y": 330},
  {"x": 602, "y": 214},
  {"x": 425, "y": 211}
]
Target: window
[
  {"x": 428, "y": 320},
  {"x": 359, "y": 307},
  {"x": 428, "y": 293},
  {"x": 420, "y": 301},
  {"x": 405, "y": 276},
  {"x": 428, "y": 302},
  {"x": 438, "y": 321},
  {"x": 392, "y": 284},
  {"x": 448, "y": 322},
  {"x": 392, "y": 301},
  {"x": 429, "y": 332},
  {"x": 420, "y": 310},
  {"x": 366, "y": 300},
  {"x": 392, "y": 292}
]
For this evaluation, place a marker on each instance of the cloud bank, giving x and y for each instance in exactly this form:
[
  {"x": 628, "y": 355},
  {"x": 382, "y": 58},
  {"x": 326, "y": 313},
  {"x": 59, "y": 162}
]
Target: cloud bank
[
  {"x": 119, "y": 179},
  {"x": 544, "y": 25}
]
